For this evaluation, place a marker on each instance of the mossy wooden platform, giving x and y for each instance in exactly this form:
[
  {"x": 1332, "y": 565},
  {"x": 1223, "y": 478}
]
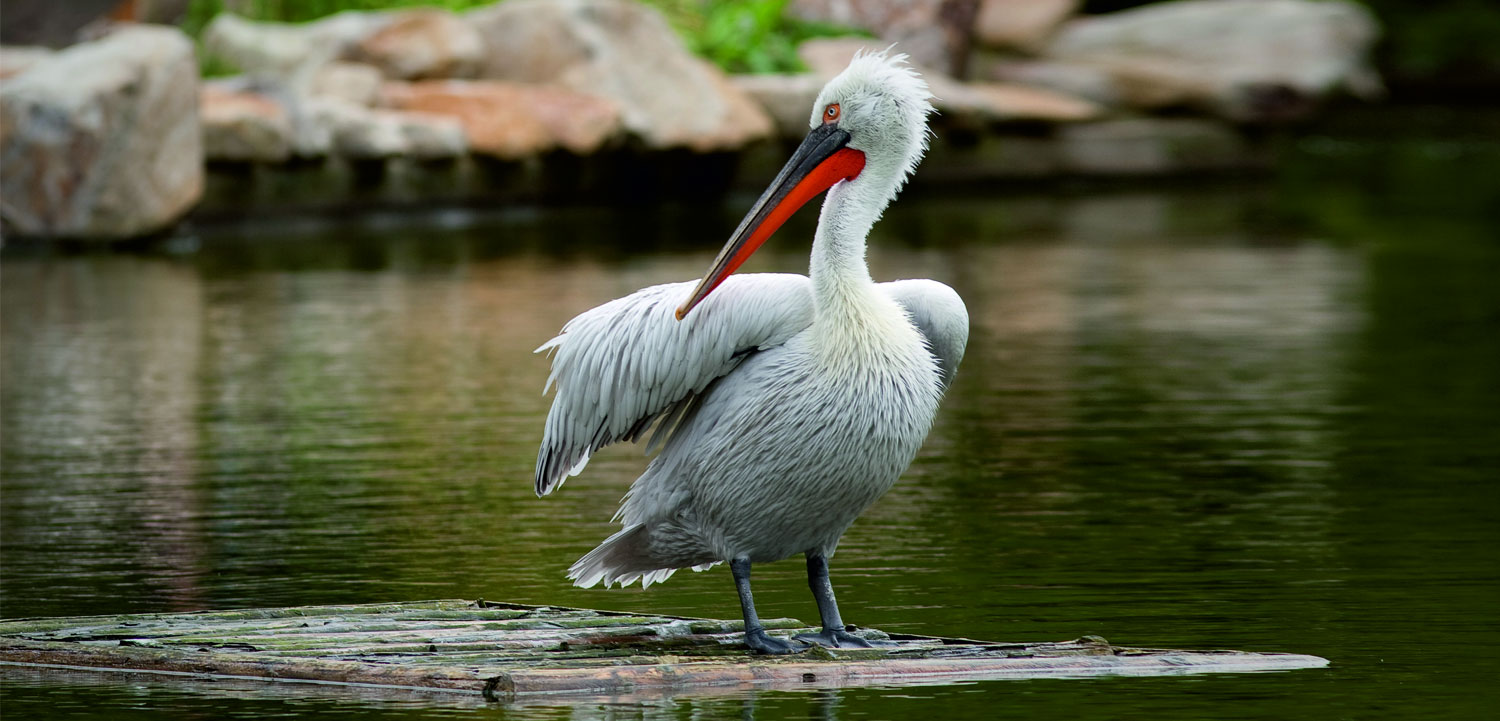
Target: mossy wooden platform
[{"x": 504, "y": 650}]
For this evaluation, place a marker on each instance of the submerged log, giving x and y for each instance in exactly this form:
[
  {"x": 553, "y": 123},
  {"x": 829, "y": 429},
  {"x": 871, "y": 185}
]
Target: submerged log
[{"x": 509, "y": 650}]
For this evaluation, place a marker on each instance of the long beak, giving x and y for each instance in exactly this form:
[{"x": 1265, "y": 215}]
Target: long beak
[{"x": 817, "y": 165}]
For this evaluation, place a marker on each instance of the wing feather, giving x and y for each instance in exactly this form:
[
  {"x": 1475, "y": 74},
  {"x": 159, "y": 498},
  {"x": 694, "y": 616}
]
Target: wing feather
[
  {"x": 629, "y": 363},
  {"x": 939, "y": 313}
]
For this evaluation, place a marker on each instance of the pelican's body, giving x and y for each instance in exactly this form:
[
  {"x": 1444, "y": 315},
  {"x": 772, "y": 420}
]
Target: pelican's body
[{"x": 785, "y": 405}]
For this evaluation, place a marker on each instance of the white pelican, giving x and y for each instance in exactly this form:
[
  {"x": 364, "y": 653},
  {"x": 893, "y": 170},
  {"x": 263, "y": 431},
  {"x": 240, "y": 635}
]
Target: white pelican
[{"x": 784, "y": 405}]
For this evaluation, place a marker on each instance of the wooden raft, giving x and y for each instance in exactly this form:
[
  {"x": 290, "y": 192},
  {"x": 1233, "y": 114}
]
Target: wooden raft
[{"x": 505, "y": 650}]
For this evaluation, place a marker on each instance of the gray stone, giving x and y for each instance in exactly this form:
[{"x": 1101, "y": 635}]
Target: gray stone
[
  {"x": 626, "y": 52},
  {"x": 1244, "y": 59},
  {"x": 102, "y": 140},
  {"x": 362, "y": 133},
  {"x": 431, "y": 137},
  {"x": 1089, "y": 82},
  {"x": 285, "y": 50},
  {"x": 242, "y": 125},
  {"x": 356, "y": 83}
]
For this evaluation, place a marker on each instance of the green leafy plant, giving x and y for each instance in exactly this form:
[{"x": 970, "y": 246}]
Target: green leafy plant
[{"x": 753, "y": 36}]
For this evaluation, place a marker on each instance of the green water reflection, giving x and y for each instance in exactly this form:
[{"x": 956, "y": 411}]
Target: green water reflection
[{"x": 1261, "y": 416}]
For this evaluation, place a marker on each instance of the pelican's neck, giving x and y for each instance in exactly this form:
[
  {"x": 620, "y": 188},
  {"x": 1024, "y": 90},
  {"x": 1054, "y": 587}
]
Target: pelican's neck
[{"x": 844, "y": 294}]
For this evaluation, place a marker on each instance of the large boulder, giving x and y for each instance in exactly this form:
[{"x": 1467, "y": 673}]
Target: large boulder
[
  {"x": 626, "y": 52},
  {"x": 102, "y": 140},
  {"x": 512, "y": 120},
  {"x": 1247, "y": 60}
]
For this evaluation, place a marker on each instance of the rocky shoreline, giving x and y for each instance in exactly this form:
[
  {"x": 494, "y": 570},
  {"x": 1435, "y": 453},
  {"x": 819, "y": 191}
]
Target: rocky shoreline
[{"x": 531, "y": 99}]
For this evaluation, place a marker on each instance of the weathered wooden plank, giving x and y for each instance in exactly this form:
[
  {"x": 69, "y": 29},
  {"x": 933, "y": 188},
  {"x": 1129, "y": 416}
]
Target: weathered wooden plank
[{"x": 514, "y": 650}]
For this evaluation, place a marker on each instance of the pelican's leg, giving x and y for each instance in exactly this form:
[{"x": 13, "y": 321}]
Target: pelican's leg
[
  {"x": 755, "y": 634},
  {"x": 834, "y": 634}
]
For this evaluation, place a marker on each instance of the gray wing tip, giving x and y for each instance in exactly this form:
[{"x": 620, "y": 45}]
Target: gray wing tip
[{"x": 552, "y": 469}]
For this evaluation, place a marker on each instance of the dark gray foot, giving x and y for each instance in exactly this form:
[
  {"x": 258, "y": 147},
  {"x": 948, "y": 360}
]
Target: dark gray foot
[
  {"x": 830, "y": 638},
  {"x": 760, "y": 642}
]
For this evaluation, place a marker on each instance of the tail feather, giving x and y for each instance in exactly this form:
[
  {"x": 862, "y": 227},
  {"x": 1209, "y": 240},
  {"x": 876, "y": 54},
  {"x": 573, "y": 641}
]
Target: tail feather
[{"x": 623, "y": 558}]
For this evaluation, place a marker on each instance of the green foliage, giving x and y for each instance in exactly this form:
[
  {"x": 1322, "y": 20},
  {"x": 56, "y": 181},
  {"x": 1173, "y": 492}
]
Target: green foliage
[
  {"x": 741, "y": 36},
  {"x": 747, "y": 36}
]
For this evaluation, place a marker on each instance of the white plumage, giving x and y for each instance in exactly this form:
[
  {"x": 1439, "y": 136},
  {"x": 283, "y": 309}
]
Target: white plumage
[{"x": 783, "y": 405}]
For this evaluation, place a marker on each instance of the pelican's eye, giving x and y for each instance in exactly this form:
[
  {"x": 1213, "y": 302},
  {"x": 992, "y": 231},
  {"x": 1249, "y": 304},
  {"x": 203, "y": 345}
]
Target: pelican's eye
[{"x": 831, "y": 113}]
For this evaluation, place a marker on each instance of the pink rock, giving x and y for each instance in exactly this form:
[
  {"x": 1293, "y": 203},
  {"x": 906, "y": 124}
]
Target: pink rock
[
  {"x": 513, "y": 120},
  {"x": 422, "y": 44}
]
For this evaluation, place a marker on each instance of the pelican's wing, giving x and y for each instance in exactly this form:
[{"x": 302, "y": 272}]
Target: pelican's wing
[
  {"x": 940, "y": 314},
  {"x": 630, "y": 362}
]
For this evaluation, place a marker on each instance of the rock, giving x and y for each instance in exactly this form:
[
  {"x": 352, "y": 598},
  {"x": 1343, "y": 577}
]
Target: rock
[
  {"x": 362, "y": 133},
  {"x": 936, "y": 34},
  {"x": 1244, "y": 59},
  {"x": 513, "y": 120},
  {"x": 627, "y": 53},
  {"x": 1152, "y": 146},
  {"x": 421, "y": 44},
  {"x": 787, "y": 98},
  {"x": 1024, "y": 25},
  {"x": 102, "y": 139},
  {"x": 1089, "y": 82},
  {"x": 15, "y": 59},
  {"x": 243, "y": 126},
  {"x": 356, "y": 83},
  {"x": 284, "y": 50},
  {"x": 430, "y": 136},
  {"x": 1009, "y": 101}
]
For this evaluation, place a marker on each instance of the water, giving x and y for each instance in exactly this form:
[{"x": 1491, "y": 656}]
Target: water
[{"x": 1262, "y": 416}]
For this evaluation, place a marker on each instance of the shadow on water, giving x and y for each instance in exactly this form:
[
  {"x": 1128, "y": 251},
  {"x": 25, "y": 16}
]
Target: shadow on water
[{"x": 1257, "y": 416}]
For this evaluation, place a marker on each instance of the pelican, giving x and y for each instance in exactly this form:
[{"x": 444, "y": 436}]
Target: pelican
[{"x": 782, "y": 405}]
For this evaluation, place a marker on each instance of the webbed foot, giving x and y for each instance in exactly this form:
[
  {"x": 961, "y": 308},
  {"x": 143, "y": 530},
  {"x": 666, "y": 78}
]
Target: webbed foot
[
  {"x": 761, "y": 642},
  {"x": 839, "y": 638}
]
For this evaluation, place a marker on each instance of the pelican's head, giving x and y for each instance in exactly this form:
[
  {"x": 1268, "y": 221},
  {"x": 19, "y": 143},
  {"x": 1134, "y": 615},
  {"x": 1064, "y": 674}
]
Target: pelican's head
[
  {"x": 868, "y": 126},
  {"x": 883, "y": 105}
]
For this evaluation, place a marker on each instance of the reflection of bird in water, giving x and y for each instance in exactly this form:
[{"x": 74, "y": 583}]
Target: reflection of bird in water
[{"x": 785, "y": 405}]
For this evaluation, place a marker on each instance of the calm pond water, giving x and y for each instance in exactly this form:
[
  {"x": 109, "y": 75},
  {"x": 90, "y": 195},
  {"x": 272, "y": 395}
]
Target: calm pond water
[{"x": 1262, "y": 416}]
